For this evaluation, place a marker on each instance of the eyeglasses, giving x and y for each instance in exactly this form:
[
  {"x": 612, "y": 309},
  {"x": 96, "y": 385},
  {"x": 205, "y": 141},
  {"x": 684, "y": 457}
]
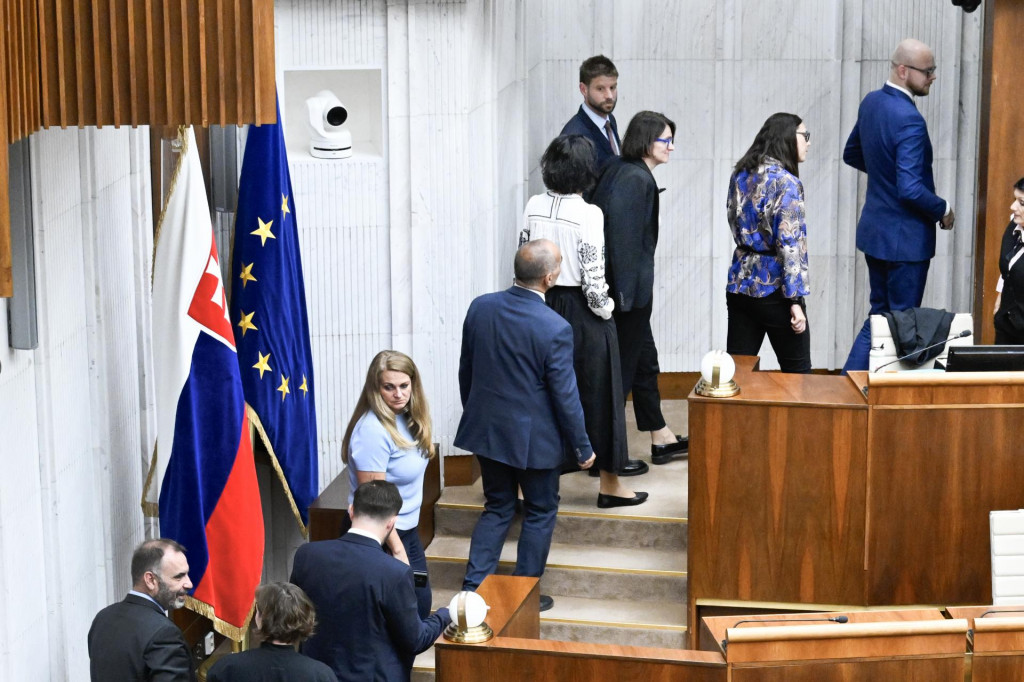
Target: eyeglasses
[
  {"x": 927, "y": 72},
  {"x": 806, "y": 134},
  {"x": 666, "y": 140}
]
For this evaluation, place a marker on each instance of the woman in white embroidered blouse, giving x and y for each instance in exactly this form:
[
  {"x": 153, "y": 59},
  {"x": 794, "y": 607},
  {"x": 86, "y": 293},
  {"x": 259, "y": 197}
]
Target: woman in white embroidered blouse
[{"x": 581, "y": 297}]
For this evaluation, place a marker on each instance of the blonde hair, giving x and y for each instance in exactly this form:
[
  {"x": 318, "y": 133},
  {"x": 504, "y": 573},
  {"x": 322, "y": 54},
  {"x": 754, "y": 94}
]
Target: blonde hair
[{"x": 417, "y": 411}]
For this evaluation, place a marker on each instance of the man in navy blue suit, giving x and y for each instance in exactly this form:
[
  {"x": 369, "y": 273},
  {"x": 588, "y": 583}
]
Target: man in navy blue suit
[
  {"x": 896, "y": 230},
  {"x": 599, "y": 82},
  {"x": 368, "y": 626},
  {"x": 520, "y": 406}
]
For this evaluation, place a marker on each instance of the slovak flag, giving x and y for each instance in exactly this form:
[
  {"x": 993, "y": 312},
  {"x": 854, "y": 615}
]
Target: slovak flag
[{"x": 202, "y": 480}]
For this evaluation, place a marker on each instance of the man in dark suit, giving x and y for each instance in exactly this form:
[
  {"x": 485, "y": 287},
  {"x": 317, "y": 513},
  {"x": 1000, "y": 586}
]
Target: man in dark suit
[
  {"x": 369, "y": 627},
  {"x": 599, "y": 87},
  {"x": 896, "y": 230},
  {"x": 520, "y": 404},
  {"x": 133, "y": 639}
]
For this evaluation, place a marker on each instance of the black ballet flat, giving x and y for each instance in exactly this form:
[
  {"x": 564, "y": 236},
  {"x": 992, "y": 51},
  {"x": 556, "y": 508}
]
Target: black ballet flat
[
  {"x": 663, "y": 454},
  {"x": 608, "y": 501}
]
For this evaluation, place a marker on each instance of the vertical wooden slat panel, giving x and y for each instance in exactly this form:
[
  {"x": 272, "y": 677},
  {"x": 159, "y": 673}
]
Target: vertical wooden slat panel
[
  {"x": 266, "y": 97},
  {"x": 100, "y": 41},
  {"x": 151, "y": 52},
  {"x": 221, "y": 63},
  {"x": 204, "y": 118},
  {"x": 80, "y": 58},
  {"x": 111, "y": 62},
  {"x": 110, "y": 54},
  {"x": 238, "y": 60},
  {"x": 6, "y": 279},
  {"x": 185, "y": 53}
]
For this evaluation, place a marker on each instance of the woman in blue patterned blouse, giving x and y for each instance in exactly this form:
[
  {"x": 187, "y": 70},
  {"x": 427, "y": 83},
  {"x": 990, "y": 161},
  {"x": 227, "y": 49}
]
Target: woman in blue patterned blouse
[{"x": 768, "y": 276}]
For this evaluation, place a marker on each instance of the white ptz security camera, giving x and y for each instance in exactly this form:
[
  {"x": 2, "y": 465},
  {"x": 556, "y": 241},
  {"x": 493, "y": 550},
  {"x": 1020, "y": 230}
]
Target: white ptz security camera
[{"x": 329, "y": 139}]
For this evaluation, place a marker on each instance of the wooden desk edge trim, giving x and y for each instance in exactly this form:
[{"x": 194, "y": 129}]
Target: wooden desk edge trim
[
  {"x": 945, "y": 379},
  {"x": 998, "y": 624},
  {"x": 620, "y": 651},
  {"x": 840, "y": 630}
]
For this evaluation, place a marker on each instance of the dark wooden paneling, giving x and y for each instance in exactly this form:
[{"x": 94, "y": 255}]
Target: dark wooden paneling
[
  {"x": 1000, "y": 163},
  {"x": 949, "y": 669},
  {"x": 431, "y": 494},
  {"x": 461, "y": 470},
  {"x": 934, "y": 476},
  {"x": 767, "y": 484},
  {"x": 181, "y": 62}
]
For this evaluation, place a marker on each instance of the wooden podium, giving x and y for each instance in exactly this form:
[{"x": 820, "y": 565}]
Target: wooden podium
[
  {"x": 907, "y": 645},
  {"x": 998, "y": 641},
  {"x": 824, "y": 492}
]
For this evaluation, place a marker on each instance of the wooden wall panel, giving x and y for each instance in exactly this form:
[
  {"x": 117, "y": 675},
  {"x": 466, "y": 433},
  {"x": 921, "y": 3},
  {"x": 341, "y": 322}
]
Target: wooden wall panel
[
  {"x": 797, "y": 471},
  {"x": 130, "y": 62},
  {"x": 1000, "y": 163},
  {"x": 176, "y": 62},
  {"x": 935, "y": 544}
]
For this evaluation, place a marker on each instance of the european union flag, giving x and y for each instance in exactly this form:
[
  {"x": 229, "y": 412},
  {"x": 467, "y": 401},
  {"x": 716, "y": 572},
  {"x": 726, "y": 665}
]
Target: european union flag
[{"x": 268, "y": 314}]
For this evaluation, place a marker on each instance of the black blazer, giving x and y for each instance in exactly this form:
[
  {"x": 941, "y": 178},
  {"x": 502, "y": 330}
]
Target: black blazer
[
  {"x": 133, "y": 640},
  {"x": 628, "y": 195},
  {"x": 368, "y": 627},
  {"x": 270, "y": 663},
  {"x": 580, "y": 124}
]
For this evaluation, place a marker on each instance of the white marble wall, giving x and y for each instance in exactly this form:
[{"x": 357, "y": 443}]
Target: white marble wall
[
  {"x": 719, "y": 68},
  {"x": 75, "y": 419},
  {"x": 397, "y": 245}
]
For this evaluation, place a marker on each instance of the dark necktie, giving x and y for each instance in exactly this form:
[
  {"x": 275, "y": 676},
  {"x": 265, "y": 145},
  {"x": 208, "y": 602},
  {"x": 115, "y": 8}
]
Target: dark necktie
[{"x": 611, "y": 137}]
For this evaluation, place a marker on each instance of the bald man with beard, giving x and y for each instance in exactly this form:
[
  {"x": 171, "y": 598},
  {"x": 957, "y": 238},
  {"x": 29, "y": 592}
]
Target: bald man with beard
[{"x": 896, "y": 230}]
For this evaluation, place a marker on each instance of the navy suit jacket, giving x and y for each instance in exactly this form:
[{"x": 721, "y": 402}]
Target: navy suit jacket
[
  {"x": 890, "y": 143},
  {"x": 580, "y": 124},
  {"x": 518, "y": 385},
  {"x": 135, "y": 640},
  {"x": 367, "y": 624}
]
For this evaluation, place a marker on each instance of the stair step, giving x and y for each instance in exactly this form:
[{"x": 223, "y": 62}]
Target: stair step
[
  {"x": 597, "y": 527},
  {"x": 665, "y": 483},
  {"x": 644, "y": 574}
]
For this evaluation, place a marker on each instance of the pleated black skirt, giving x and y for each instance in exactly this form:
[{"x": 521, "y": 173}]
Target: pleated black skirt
[{"x": 596, "y": 360}]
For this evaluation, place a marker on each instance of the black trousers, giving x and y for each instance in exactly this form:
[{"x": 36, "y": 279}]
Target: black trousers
[
  {"x": 639, "y": 360},
  {"x": 1005, "y": 338},
  {"x": 751, "y": 318}
]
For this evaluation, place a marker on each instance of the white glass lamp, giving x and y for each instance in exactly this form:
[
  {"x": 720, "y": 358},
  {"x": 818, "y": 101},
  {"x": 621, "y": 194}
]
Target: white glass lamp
[
  {"x": 468, "y": 610},
  {"x": 717, "y": 370}
]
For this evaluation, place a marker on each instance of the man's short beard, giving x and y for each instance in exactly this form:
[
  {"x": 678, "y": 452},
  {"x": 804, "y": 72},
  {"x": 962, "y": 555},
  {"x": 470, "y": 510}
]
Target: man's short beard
[{"x": 166, "y": 597}]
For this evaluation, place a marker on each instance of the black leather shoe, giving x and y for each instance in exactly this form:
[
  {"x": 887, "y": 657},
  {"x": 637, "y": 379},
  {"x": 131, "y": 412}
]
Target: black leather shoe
[
  {"x": 663, "y": 454},
  {"x": 546, "y": 602},
  {"x": 608, "y": 501},
  {"x": 634, "y": 467}
]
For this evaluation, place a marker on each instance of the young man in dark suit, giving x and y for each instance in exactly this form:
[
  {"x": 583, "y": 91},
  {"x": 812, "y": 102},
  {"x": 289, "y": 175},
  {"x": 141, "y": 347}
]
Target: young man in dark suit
[
  {"x": 599, "y": 82},
  {"x": 369, "y": 627},
  {"x": 133, "y": 639},
  {"x": 896, "y": 230},
  {"x": 520, "y": 404}
]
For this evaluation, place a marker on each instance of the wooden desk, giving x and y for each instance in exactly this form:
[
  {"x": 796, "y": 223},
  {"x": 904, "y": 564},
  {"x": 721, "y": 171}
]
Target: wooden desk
[
  {"x": 998, "y": 641},
  {"x": 866, "y": 490},
  {"x": 517, "y": 653},
  {"x": 916, "y": 644}
]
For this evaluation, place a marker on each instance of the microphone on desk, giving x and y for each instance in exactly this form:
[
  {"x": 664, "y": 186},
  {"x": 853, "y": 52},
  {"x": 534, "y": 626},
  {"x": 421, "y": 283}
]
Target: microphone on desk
[
  {"x": 999, "y": 611},
  {"x": 834, "y": 619},
  {"x": 964, "y": 334}
]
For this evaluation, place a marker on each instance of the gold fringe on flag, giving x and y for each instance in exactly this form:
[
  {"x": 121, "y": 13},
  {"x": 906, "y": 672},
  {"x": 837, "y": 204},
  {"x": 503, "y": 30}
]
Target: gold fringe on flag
[
  {"x": 232, "y": 632},
  {"x": 254, "y": 419}
]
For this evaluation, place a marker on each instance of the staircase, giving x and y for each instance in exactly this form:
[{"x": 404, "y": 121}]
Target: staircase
[{"x": 618, "y": 576}]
